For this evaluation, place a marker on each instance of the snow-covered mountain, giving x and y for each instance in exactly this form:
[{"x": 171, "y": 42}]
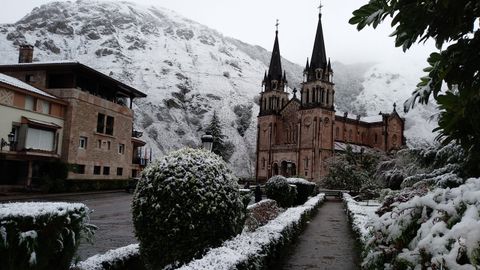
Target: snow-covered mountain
[{"x": 188, "y": 70}]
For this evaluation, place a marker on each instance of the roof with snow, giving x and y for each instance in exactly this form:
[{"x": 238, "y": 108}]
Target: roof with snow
[
  {"x": 24, "y": 86},
  {"x": 366, "y": 119},
  {"x": 340, "y": 146},
  {"x": 76, "y": 66}
]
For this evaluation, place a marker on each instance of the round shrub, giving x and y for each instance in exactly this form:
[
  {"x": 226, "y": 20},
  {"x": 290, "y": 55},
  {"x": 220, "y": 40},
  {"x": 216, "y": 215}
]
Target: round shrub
[
  {"x": 277, "y": 188},
  {"x": 305, "y": 189},
  {"x": 184, "y": 204}
]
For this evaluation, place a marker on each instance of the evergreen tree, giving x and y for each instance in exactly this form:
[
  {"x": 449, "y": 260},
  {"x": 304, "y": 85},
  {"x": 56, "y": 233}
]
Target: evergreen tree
[
  {"x": 455, "y": 22},
  {"x": 220, "y": 146}
]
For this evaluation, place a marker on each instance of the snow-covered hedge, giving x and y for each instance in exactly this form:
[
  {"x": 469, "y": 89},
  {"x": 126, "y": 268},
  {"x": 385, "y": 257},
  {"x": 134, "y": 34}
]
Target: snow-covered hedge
[
  {"x": 41, "y": 235},
  {"x": 361, "y": 216},
  {"x": 438, "y": 230},
  {"x": 127, "y": 257},
  {"x": 185, "y": 203},
  {"x": 261, "y": 213},
  {"x": 305, "y": 189},
  {"x": 278, "y": 189},
  {"x": 260, "y": 248}
]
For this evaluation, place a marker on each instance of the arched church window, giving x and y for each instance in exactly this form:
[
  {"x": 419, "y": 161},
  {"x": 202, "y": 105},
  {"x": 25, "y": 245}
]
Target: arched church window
[
  {"x": 350, "y": 135},
  {"x": 376, "y": 138},
  {"x": 327, "y": 121},
  {"x": 328, "y": 95},
  {"x": 274, "y": 85},
  {"x": 308, "y": 96},
  {"x": 323, "y": 95},
  {"x": 337, "y": 132}
]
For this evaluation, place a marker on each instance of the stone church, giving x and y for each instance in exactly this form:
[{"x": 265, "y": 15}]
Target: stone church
[{"x": 297, "y": 135}]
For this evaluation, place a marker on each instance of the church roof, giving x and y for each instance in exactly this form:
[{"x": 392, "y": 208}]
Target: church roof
[
  {"x": 319, "y": 55},
  {"x": 275, "y": 69}
]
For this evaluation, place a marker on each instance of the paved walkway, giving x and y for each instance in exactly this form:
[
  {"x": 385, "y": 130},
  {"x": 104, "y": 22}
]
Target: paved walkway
[{"x": 327, "y": 242}]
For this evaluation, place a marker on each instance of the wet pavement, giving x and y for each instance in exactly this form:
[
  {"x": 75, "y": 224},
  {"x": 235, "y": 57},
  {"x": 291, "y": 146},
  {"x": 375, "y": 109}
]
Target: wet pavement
[
  {"x": 326, "y": 243},
  {"x": 111, "y": 214}
]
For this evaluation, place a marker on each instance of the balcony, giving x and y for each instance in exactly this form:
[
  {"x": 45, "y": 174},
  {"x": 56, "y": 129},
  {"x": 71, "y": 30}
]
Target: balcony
[{"x": 137, "y": 134}]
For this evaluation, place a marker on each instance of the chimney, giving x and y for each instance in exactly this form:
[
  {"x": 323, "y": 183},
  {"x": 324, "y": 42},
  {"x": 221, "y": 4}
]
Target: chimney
[{"x": 26, "y": 54}]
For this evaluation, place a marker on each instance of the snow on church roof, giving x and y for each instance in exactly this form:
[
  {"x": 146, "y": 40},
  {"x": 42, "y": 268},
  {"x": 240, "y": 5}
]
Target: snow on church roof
[
  {"x": 22, "y": 85},
  {"x": 366, "y": 119}
]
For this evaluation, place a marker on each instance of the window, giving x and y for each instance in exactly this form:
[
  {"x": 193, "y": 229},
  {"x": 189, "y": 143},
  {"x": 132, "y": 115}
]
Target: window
[
  {"x": 45, "y": 107},
  {"x": 134, "y": 173},
  {"x": 29, "y": 103},
  {"x": 39, "y": 139},
  {"x": 109, "y": 145},
  {"x": 79, "y": 169},
  {"x": 263, "y": 163},
  {"x": 83, "y": 143},
  {"x": 109, "y": 129},
  {"x": 337, "y": 132},
  {"x": 101, "y": 123},
  {"x": 99, "y": 144},
  {"x": 119, "y": 171},
  {"x": 376, "y": 138},
  {"x": 29, "y": 78},
  {"x": 96, "y": 170},
  {"x": 106, "y": 170},
  {"x": 121, "y": 148},
  {"x": 105, "y": 124}
]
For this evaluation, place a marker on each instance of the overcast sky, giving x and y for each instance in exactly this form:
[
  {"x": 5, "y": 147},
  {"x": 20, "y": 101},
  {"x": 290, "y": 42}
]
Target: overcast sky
[{"x": 253, "y": 21}]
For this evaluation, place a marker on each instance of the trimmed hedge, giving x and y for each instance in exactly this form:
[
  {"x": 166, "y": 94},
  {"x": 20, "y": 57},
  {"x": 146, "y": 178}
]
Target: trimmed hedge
[
  {"x": 116, "y": 259},
  {"x": 185, "y": 203},
  {"x": 94, "y": 185},
  {"x": 277, "y": 188},
  {"x": 41, "y": 235},
  {"x": 305, "y": 189}
]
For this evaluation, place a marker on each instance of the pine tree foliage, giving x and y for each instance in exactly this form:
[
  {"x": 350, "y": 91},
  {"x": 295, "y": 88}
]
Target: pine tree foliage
[
  {"x": 452, "y": 22},
  {"x": 221, "y": 147}
]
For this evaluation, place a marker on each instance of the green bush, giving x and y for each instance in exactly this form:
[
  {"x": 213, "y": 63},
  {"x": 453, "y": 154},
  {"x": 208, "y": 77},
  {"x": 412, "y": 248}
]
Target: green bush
[
  {"x": 53, "y": 176},
  {"x": 41, "y": 235},
  {"x": 185, "y": 203},
  {"x": 246, "y": 195},
  {"x": 278, "y": 189},
  {"x": 305, "y": 189},
  {"x": 94, "y": 185}
]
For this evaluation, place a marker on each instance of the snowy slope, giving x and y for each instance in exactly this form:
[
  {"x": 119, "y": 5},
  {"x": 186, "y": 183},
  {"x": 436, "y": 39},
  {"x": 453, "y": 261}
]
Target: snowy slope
[
  {"x": 385, "y": 84},
  {"x": 188, "y": 70}
]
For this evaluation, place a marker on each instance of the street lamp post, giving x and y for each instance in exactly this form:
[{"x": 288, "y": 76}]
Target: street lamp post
[
  {"x": 207, "y": 142},
  {"x": 11, "y": 141}
]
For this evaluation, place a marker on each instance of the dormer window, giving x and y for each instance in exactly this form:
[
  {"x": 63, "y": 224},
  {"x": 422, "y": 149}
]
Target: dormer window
[{"x": 319, "y": 74}]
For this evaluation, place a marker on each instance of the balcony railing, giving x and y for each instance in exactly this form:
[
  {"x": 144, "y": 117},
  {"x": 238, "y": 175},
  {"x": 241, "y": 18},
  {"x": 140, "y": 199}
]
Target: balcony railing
[{"x": 137, "y": 134}]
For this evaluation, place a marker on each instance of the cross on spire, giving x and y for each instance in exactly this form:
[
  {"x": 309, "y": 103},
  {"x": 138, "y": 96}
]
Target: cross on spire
[
  {"x": 320, "y": 7},
  {"x": 277, "y": 24}
]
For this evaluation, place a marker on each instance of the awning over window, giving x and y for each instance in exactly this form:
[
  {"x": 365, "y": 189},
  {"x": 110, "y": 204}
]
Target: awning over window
[{"x": 40, "y": 124}]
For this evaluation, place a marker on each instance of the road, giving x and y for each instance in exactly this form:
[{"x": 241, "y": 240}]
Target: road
[{"x": 111, "y": 214}]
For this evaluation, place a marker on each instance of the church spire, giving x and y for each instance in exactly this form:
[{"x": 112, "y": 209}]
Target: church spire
[
  {"x": 275, "y": 70},
  {"x": 319, "y": 55},
  {"x": 276, "y": 77}
]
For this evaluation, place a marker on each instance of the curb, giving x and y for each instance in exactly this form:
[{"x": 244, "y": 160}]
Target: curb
[{"x": 21, "y": 197}]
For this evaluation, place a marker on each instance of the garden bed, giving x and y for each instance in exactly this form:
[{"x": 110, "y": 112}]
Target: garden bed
[{"x": 249, "y": 250}]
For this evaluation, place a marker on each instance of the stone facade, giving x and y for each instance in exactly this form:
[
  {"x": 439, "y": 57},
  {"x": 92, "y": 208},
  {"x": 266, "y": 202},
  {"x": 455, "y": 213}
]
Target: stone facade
[
  {"x": 296, "y": 136},
  {"x": 98, "y": 137}
]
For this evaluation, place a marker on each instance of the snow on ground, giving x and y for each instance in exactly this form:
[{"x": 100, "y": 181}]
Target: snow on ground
[{"x": 362, "y": 214}]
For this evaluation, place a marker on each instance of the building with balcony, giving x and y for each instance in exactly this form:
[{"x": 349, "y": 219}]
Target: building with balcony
[
  {"x": 98, "y": 140},
  {"x": 31, "y": 130}
]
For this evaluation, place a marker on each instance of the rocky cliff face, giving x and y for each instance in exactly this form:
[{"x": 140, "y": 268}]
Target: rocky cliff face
[{"x": 188, "y": 70}]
